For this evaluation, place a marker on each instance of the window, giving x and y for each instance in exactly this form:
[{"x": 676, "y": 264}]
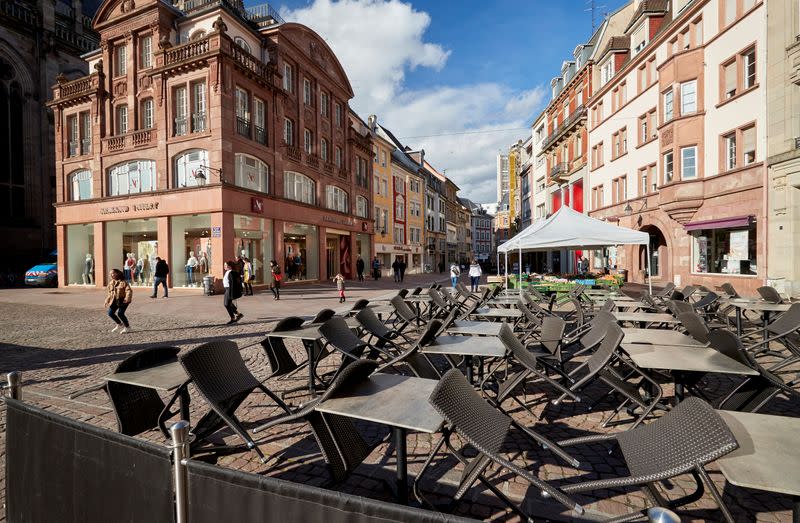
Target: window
[
  {"x": 668, "y": 166},
  {"x": 241, "y": 43},
  {"x": 689, "y": 97},
  {"x": 399, "y": 185},
  {"x": 362, "y": 174},
  {"x": 383, "y": 158},
  {"x": 324, "y": 108},
  {"x": 132, "y": 177},
  {"x": 146, "y": 52},
  {"x": 308, "y": 141},
  {"x": 749, "y": 145},
  {"x": 121, "y": 60},
  {"x": 259, "y": 118},
  {"x": 730, "y": 151},
  {"x": 399, "y": 234},
  {"x": 749, "y": 62},
  {"x": 288, "y": 78},
  {"x": 375, "y": 153},
  {"x": 323, "y": 149},
  {"x": 337, "y": 199},
  {"x": 288, "y": 131},
  {"x": 384, "y": 187},
  {"x": 180, "y": 111},
  {"x": 729, "y": 77},
  {"x": 620, "y": 189},
  {"x": 122, "y": 119},
  {"x": 688, "y": 163},
  {"x": 337, "y": 156},
  {"x": 86, "y": 132},
  {"x": 400, "y": 208},
  {"x": 299, "y": 188},
  {"x": 606, "y": 72},
  {"x": 198, "y": 107},
  {"x": 729, "y": 11},
  {"x": 72, "y": 135},
  {"x": 725, "y": 251},
  {"x": 337, "y": 114},
  {"x": 306, "y": 91},
  {"x": 80, "y": 183},
  {"x": 190, "y": 169},
  {"x": 362, "y": 206},
  {"x": 147, "y": 113},
  {"x": 242, "y": 112},
  {"x": 668, "y": 99}
]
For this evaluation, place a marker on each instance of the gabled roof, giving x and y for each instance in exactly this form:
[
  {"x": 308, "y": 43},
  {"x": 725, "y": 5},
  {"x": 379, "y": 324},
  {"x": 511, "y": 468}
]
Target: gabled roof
[{"x": 648, "y": 6}]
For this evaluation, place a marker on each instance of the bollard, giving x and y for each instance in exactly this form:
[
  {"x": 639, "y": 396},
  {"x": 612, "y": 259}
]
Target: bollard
[
  {"x": 15, "y": 384},
  {"x": 662, "y": 515},
  {"x": 180, "y": 452}
]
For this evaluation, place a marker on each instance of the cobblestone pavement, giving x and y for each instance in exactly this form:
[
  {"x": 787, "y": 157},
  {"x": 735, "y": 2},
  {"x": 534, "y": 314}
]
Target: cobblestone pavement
[{"x": 59, "y": 339}]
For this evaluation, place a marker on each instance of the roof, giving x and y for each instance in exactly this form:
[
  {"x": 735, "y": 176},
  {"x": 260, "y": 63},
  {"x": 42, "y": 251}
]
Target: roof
[{"x": 648, "y": 6}]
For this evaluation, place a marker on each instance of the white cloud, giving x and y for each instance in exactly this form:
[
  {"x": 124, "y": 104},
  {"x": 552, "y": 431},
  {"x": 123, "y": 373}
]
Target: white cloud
[{"x": 378, "y": 42}]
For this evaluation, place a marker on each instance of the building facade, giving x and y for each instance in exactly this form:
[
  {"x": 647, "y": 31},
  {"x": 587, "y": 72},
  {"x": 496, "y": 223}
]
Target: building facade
[
  {"x": 40, "y": 45},
  {"x": 678, "y": 141},
  {"x": 503, "y": 180},
  {"x": 384, "y": 199},
  {"x": 214, "y": 132}
]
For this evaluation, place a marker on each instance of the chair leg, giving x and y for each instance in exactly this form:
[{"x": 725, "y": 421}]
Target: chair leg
[
  {"x": 613, "y": 415},
  {"x": 715, "y": 494}
]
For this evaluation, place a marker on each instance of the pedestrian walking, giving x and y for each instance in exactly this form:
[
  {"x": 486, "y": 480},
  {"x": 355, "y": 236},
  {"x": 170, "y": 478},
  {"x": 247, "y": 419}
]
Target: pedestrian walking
[
  {"x": 376, "y": 268},
  {"x": 455, "y": 272},
  {"x": 475, "y": 273},
  {"x": 339, "y": 281},
  {"x": 360, "y": 268},
  {"x": 396, "y": 270},
  {"x": 160, "y": 277},
  {"x": 232, "y": 282},
  {"x": 248, "y": 276},
  {"x": 402, "y": 268},
  {"x": 118, "y": 298},
  {"x": 275, "y": 284}
]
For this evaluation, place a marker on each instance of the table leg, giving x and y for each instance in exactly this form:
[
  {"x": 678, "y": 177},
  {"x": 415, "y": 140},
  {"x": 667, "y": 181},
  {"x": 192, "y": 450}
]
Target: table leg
[
  {"x": 765, "y": 317},
  {"x": 679, "y": 392},
  {"x": 401, "y": 478},
  {"x": 795, "y": 509},
  {"x": 312, "y": 349},
  {"x": 739, "y": 321},
  {"x": 468, "y": 365},
  {"x": 183, "y": 398}
]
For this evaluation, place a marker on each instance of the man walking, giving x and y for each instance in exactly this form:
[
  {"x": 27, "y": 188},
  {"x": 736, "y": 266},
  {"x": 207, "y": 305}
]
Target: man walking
[
  {"x": 360, "y": 268},
  {"x": 396, "y": 270},
  {"x": 376, "y": 268},
  {"x": 160, "y": 277},
  {"x": 402, "y": 267}
]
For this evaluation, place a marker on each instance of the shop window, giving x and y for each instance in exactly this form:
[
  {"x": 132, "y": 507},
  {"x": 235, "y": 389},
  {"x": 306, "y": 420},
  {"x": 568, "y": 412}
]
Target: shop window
[
  {"x": 301, "y": 248},
  {"x": 299, "y": 187},
  {"x": 132, "y": 177},
  {"x": 253, "y": 240},
  {"x": 191, "y": 249},
  {"x": 80, "y": 254},
  {"x": 80, "y": 183},
  {"x": 252, "y": 173},
  {"x": 337, "y": 199},
  {"x": 132, "y": 246},
  {"x": 725, "y": 251},
  {"x": 190, "y": 169}
]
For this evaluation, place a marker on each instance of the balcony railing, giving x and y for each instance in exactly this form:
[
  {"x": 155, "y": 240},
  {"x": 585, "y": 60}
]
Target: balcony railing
[
  {"x": 22, "y": 12},
  {"x": 86, "y": 146},
  {"x": 566, "y": 125},
  {"x": 343, "y": 174},
  {"x": 115, "y": 143},
  {"x": 72, "y": 149},
  {"x": 312, "y": 160},
  {"x": 559, "y": 169},
  {"x": 181, "y": 126},
  {"x": 251, "y": 63},
  {"x": 243, "y": 126},
  {"x": 132, "y": 139},
  {"x": 260, "y": 135},
  {"x": 198, "y": 122},
  {"x": 80, "y": 86},
  {"x": 186, "y": 51},
  {"x": 328, "y": 168},
  {"x": 142, "y": 137},
  {"x": 262, "y": 15},
  {"x": 293, "y": 152}
]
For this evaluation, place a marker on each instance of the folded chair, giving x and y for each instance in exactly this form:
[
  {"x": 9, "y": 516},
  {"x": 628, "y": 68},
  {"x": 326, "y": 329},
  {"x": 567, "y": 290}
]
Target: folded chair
[
  {"x": 339, "y": 336},
  {"x": 222, "y": 378},
  {"x": 357, "y": 306},
  {"x": 322, "y": 316},
  {"x": 769, "y": 294},
  {"x": 378, "y": 333},
  {"x": 416, "y": 291},
  {"x": 485, "y": 429},
  {"x": 728, "y": 289},
  {"x": 681, "y": 441},
  {"x": 404, "y": 316},
  {"x": 419, "y": 363},
  {"x": 666, "y": 291},
  {"x": 677, "y": 307},
  {"x": 707, "y": 305},
  {"x": 695, "y": 326},
  {"x": 281, "y": 362},
  {"x": 782, "y": 330}
]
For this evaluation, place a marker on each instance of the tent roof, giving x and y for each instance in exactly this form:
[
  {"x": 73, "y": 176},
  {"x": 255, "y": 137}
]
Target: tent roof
[{"x": 569, "y": 229}]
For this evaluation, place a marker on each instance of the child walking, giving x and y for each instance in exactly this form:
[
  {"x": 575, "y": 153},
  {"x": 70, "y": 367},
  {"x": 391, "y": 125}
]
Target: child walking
[
  {"x": 339, "y": 281},
  {"x": 118, "y": 297}
]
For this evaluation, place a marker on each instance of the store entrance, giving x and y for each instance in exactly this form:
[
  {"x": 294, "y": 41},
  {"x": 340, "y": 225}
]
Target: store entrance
[
  {"x": 337, "y": 255},
  {"x": 331, "y": 256}
]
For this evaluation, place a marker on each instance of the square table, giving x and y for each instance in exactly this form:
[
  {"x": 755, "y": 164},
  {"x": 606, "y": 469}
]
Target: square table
[
  {"x": 475, "y": 328},
  {"x": 765, "y": 308},
  {"x": 645, "y": 317},
  {"x": 169, "y": 376},
  {"x": 659, "y": 337},
  {"x": 498, "y": 314},
  {"x": 469, "y": 347},
  {"x": 417, "y": 300},
  {"x": 400, "y": 402},
  {"x": 768, "y": 456},
  {"x": 684, "y": 359}
]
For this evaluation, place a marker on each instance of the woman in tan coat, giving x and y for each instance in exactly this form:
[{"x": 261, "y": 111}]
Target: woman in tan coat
[{"x": 118, "y": 298}]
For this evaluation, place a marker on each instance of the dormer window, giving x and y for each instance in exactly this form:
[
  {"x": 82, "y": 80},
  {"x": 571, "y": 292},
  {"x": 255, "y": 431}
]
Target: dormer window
[
  {"x": 639, "y": 38},
  {"x": 606, "y": 72}
]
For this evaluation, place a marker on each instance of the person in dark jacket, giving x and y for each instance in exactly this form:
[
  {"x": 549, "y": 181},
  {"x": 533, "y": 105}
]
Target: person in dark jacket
[
  {"x": 402, "y": 268},
  {"x": 160, "y": 277},
  {"x": 396, "y": 270},
  {"x": 376, "y": 268},
  {"x": 360, "y": 268},
  {"x": 232, "y": 281}
]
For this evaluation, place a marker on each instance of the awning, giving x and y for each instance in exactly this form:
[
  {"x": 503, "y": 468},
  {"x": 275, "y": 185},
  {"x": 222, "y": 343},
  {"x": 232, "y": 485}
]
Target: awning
[{"x": 721, "y": 223}]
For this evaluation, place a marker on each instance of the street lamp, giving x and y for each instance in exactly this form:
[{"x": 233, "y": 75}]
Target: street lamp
[{"x": 201, "y": 175}]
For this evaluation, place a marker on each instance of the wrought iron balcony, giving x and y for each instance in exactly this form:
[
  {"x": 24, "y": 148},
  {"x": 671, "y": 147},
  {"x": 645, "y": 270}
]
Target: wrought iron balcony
[
  {"x": 72, "y": 149},
  {"x": 559, "y": 169},
  {"x": 198, "y": 122},
  {"x": 243, "y": 126},
  {"x": 567, "y": 125},
  {"x": 260, "y": 135},
  {"x": 86, "y": 146},
  {"x": 181, "y": 126}
]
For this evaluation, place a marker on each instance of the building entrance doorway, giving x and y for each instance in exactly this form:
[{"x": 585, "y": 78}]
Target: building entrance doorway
[{"x": 658, "y": 252}]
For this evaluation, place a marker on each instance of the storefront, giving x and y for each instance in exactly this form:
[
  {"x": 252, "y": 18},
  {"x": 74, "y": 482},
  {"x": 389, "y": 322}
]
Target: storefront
[
  {"x": 81, "y": 255},
  {"x": 132, "y": 247},
  {"x": 192, "y": 253},
  {"x": 301, "y": 248}
]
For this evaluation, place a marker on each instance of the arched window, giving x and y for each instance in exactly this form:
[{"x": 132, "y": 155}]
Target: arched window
[
  {"x": 132, "y": 177},
  {"x": 299, "y": 187},
  {"x": 362, "y": 207},
  {"x": 80, "y": 185},
  {"x": 241, "y": 43},
  {"x": 252, "y": 173},
  {"x": 197, "y": 35},
  {"x": 337, "y": 199},
  {"x": 190, "y": 168}
]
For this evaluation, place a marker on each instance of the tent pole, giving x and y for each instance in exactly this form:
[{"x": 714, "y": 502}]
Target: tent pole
[
  {"x": 506, "y": 269},
  {"x": 520, "y": 270},
  {"x": 649, "y": 279}
]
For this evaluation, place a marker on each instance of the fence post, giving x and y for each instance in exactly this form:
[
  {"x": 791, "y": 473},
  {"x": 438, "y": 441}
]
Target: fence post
[
  {"x": 15, "y": 384},
  {"x": 180, "y": 452}
]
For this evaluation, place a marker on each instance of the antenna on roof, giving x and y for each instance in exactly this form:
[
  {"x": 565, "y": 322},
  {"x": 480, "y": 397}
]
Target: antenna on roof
[{"x": 595, "y": 9}]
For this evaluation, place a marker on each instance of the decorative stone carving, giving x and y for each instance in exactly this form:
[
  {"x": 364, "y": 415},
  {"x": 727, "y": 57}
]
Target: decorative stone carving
[
  {"x": 318, "y": 54},
  {"x": 164, "y": 43},
  {"x": 667, "y": 136},
  {"x": 145, "y": 82},
  {"x": 61, "y": 78},
  {"x": 127, "y": 6},
  {"x": 99, "y": 66},
  {"x": 219, "y": 25},
  {"x": 120, "y": 88}
]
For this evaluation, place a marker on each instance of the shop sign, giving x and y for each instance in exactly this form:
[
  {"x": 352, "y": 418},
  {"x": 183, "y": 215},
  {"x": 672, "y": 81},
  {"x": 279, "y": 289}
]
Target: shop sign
[
  {"x": 122, "y": 209},
  {"x": 402, "y": 248},
  {"x": 257, "y": 205},
  {"x": 341, "y": 221},
  {"x": 216, "y": 232}
]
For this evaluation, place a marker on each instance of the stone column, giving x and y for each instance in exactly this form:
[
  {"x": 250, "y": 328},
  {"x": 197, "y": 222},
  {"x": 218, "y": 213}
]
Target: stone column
[
  {"x": 100, "y": 263},
  {"x": 323, "y": 249},
  {"x": 165, "y": 247}
]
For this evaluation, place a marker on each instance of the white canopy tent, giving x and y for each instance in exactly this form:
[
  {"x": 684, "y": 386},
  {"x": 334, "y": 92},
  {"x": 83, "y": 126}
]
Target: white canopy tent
[{"x": 569, "y": 229}]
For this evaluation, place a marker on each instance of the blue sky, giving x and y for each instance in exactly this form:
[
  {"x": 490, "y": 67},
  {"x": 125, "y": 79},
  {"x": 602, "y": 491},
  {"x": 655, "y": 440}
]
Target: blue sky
[{"x": 428, "y": 68}]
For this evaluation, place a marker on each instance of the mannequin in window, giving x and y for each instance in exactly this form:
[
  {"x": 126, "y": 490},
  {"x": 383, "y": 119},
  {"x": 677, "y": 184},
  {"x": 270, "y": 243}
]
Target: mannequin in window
[
  {"x": 130, "y": 267},
  {"x": 88, "y": 270},
  {"x": 139, "y": 274},
  {"x": 203, "y": 263},
  {"x": 191, "y": 265}
]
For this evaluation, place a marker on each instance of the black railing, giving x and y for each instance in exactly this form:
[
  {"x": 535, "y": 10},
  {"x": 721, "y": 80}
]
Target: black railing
[
  {"x": 559, "y": 169},
  {"x": 72, "y": 149},
  {"x": 198, "y": 122},
  {"x": 566, "y": 125},
  {"x": 243, "y": 126},
  {"x": 261, "y": 135},
  {"x": 181, "y": 126},
  {"x": 86, "y": 146}
]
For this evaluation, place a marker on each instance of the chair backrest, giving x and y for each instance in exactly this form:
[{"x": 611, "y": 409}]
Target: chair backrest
[
  {"x": 695, "y": 326},
  {"x": 606, "y": 350},
  {"x": 677, "y": 307},
  {"x": 516, "y": 348},
  {"x": 677, "y": 296},
  {"x": 534, "y": 292},
  {"x": 729, "y": 344},
  {"x": 607, "y": 306},
  {"x": 338, "y": 334},
  {"x": 649, "y": 301},
  {"x": 137, "y": 409},
  {"x": 707, "y": 300},
  {"x": 599, "y": 325},
  {"x": 369, "y": 320},
  {"x": 552, "y": 333},
  {"x": 218, "y": 371},
  {"x": 533, "y": 319},
  {"x": 769, "y": 294},
  {"x": 402, "y": 292},
  {"x": 438, "y": 300},
  {"x": 668, "y": 288},
  {"x": 322, "y": 316},
  {"x": 787, "y": 322},
  {"x": 402, "y": 309},
  {"x": 579, "y": 318},
  {"x": 729, "y": 290},
  {"x": 360, "y": 304},
  {"x": 688, "y": 291},
  {"x": 702, "y": 288},
  {"x": 430, "y": 334},
  {"x": 416, "y": 291},
  {"x": 280, "y": 360}
]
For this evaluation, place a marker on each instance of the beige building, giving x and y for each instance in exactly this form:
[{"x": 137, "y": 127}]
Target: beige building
[{"x": 783, "y": 145}]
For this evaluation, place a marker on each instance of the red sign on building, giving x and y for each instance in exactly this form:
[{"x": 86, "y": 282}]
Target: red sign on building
[{"x": 257, "y": 205}]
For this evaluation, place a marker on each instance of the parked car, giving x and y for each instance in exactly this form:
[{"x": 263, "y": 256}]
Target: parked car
[{"x": 44, "y": 274}]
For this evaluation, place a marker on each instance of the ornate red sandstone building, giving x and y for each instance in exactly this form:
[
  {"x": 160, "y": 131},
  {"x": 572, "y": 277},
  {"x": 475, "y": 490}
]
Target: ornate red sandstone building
[{"x": 203, "y": 132}]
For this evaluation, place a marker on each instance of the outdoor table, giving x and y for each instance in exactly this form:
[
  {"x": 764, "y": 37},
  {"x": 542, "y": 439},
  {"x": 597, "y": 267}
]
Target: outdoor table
[
  {"x": 645, "y": 317},
  {"x": 310, "y": 333},
  {"x": 417, "y": 300},
  {"x": 630, "y": 304},
  {"x": 659, "y": 337},
  {"x": 505, "y": 300},
  {"x": 475, "y": 328},
  {"x": 680, "y": 360},
  {"x": 768, "y": 456},
  {"x": 400, "y": 402},
  {"x": 169, "y": 376},
  {"x": 765, "y": 308},
  {"x": 469, "y": 347},
  {"x": 501, "y": 314}
]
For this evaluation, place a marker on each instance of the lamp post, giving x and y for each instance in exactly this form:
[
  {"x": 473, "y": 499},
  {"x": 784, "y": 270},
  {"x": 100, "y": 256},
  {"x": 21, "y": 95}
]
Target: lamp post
[{"x": 200, "y": 174}]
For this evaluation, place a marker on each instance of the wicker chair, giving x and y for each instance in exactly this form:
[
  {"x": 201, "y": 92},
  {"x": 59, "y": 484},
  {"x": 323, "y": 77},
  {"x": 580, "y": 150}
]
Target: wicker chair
[
  {"x": 707, "y": 305},
  {"x": 677, "y": 307},
  {"x": 416, "y": 291},
  {"x": 666, "y": 291},
  {"x": 682, "y": 441},
  {"x": 379, "y": 334},
  {"x": 281, "y": 362},
  {"x": 728, "y": 289},
  {"x": 322, "y": 316},
  {"x": 687, "y": 292},
  {"x": 404, "y": 316},
  {"x": 782, "y": 330},
  {"x": 339, "y": 337},
  {"x": 485, "y": 429},
  {"x": 695, "y": 326},
  {"x": 222, "y": 378},
  {"x": 342, "y": 446},
  {"x": 420, "y": 364},
  {"x": 139, "y": 409},
  {"x": 769, "y": 294},
  {"x": 357, "y": 306}
]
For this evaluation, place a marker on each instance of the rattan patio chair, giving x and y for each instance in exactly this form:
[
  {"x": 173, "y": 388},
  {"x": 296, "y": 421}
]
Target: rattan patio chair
[
  {"x": 420, "y": 364},
  {"x": 281, "y": 362},
  {"x": 357, "y": 306},
  {"x": 220, "y": 375},
  {"x": 687, "y": 292},
  {"x": 378, "y": 333},
  {"x": 666, "y": 291},
  {"x": 695, "y": 326},
  {"x": 769, "y": 294},
  {"x": 404, "y": 316},
  {"x": 416, "y": 291},
  {"x": 339, "y": 337},
  {"x": 728, "y": 289},
  {"x": 783, "y": 330},
  {"x": 677, "y": 307},
  {"x": 322, "y": 316},
  {"x": 485, "y": 429},
  {"x": 682, "y": 441}
]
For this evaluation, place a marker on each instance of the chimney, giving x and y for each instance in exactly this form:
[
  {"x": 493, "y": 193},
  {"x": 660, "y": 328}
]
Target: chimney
[
  {"x": 372, "y": 121},
  {"x": 422, "y": 157}
]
